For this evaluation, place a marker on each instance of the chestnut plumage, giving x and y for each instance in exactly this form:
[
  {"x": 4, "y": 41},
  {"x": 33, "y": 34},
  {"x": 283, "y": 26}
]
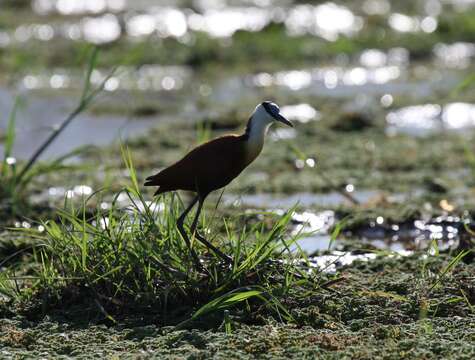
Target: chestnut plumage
[{"x": 215, "y": 164}]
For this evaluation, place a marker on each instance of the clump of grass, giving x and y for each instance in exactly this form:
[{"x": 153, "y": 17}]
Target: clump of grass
[{"x": 131, "y": 258}]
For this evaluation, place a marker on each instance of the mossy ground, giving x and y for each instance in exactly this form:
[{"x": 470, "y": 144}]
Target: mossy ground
[{"x": 383, "y": 309}]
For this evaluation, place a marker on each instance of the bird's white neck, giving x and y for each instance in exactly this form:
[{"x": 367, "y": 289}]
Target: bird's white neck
[{"x": 255, "y": 133}]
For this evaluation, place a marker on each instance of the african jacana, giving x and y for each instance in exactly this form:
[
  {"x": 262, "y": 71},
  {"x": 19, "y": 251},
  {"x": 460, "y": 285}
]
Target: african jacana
[{"x": 215, "y": 164}]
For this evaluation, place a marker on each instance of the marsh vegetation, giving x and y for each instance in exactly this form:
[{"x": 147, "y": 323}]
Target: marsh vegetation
[{"x": 352, "y": 234}]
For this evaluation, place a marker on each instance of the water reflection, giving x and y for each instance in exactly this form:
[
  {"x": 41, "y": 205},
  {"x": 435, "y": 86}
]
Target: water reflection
[
  {"x": 283, "y": 134},
  {"x": 77, "y": 7},
  {"x": 100, "y": 30},
  {"x": 421, "y": 120},
  {"x": 329, "y": 77},
  {"x": 327, "y": 20},
  {"x": 165, "y": 22},
  {"x": 146, "y": 78},
  {"x": 47, "y": 112},
  {"x": 377, "y": 68},
  {"x": 306, "y": 200},
  {"x": 225, "y": 22},
  {"x": 456, "y": 55},
  {"x": 56, "y": 193},
  {"x": 406, "y": 23},
  {"x": 105, "y": 21},
  {"x": 113, "y": 18},
  {"x": 315, "y": 227},
  {"x": 300, "y": 112},
  {"x": 337, "y": 259},
  {"x": 376, "y": 58},
  {"x": 419, "y": 234}
]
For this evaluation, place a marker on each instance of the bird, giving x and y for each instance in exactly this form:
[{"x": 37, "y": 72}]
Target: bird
[{"x": 213, "y": 165}]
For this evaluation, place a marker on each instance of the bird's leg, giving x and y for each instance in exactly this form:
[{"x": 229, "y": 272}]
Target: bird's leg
[
  {"x": 182, "y": 231},
  {"x": 202, "y": 239}
]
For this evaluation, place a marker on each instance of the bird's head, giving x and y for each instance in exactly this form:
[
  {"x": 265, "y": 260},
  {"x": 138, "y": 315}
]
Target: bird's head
[{"x": 267, "y": 112}]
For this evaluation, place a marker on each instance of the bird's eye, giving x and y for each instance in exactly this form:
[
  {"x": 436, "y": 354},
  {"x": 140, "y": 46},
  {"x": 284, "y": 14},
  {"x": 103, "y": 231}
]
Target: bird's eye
[{"x": 271, "y": 108}]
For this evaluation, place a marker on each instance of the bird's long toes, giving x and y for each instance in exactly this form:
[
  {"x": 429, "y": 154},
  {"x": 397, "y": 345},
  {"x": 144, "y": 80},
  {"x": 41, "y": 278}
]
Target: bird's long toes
[{"x": 227, "y": 259}]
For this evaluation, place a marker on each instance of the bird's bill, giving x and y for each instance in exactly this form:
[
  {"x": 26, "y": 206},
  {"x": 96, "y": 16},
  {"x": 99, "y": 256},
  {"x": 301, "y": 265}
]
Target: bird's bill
[{"x": 283, "y": 120}]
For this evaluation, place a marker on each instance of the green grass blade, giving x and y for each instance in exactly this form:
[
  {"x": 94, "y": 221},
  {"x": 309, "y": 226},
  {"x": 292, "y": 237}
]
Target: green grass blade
[{"x": 10, "y": 136}]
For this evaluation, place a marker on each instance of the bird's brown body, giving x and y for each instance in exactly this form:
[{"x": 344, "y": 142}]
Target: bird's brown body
[
  {"x": 213, "y": 165},
  {"x": 208, "y": 167}
]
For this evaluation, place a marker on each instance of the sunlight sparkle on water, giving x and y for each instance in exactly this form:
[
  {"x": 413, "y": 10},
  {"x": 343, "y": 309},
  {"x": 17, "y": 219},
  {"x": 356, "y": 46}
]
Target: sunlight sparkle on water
[
  {"x": 456, "y": 55},
  {"x": 299, "y": 164},
  {"x": 311, "y": 222},
  {"x": 310, "y": 162},
  {"x": 373, "y": 58},
  {"x": 405, "y": 23},
  {"x": 112, "y": 84},
  {"x": 225, "y": 22},
  {"x": 283, "y": 134},
  {"x": 164, "y": 21},
  {"x": 82, "y": 190},
  {"x": 147, "y": 77},
  {"x": 327, "y": 20},
  {"x": 416, "y": 120},
  {"x": 425, "y": 119},
  {"x": 10, "y": 160},
  {"x": 330, "y": 263},
  {"x": 294, "y": 79},
  {"x": 141, "y": 25},
  {"x": 331, "y": 77},
  {"x": 76, "y": 7},
  {"x": 300, "y": 112},
  {"x": 459, "y": 115},
  {"x": 58, "y": 81},
  {"x": 102, "y": 29},
  {"x": 386, "y": 100}
]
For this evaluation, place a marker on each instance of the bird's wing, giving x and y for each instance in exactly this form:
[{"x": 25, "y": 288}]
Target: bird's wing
[{"x": 210, "y": 164}]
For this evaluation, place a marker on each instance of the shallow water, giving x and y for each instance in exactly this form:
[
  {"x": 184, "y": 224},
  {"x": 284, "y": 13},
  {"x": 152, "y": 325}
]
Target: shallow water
[
  {"x": 138, "y": 19},
  {"x": 315, "y": 228},
  {"x": 421, "y": 120},
  {"x": 106, "y": 21},
  {"x": 305, "y": 200},
  {"x": 438, "y": 234},
  {"x": 40, "y": 115}
]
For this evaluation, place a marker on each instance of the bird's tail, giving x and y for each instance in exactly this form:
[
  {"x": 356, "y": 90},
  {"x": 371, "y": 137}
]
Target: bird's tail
[
  {"x": 151, "y": 181},
  {"x": 154, "y": 181}
]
